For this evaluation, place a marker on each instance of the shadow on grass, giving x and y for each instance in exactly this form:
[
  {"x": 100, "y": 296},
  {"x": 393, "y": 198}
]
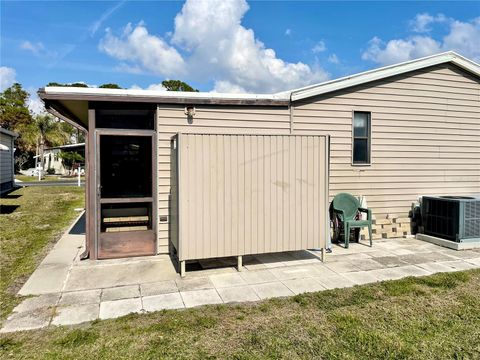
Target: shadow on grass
[{"x": 8, "y": 209}]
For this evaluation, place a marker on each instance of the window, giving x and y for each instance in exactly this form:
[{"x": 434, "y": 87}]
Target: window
[{"x": 361, "y": 138}]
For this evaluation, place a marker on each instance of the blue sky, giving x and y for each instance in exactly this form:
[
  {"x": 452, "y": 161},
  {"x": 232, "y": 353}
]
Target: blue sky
[{"x": 223, "y": 45}]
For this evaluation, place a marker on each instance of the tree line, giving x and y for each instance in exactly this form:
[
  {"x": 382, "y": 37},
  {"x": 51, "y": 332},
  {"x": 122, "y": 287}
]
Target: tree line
[{"x": 39, "y": 131}]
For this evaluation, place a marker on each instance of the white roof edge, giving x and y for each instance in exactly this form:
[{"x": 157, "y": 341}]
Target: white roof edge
[
  {"x": 384, "y": 72},
  {"x": 58, "y": 90},
  {"x": 293, "y": 95},
  {"x": 8, "y": 132}
]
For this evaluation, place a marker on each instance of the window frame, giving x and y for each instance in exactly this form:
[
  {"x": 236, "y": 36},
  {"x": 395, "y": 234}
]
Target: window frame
[{"x": 368, "y": 138}]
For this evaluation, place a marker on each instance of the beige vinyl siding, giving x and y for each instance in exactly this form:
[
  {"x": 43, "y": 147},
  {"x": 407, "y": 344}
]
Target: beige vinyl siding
[
  {"x": 425, "y": 137},
  {"x": 6, "y": 159},
  {"x": 208, "y": 119},
  {"x": 248, "y": 194}
]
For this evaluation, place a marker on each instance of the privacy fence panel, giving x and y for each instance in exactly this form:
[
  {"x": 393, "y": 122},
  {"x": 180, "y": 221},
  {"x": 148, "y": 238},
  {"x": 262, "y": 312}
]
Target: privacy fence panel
[{"x": 248, "y": 194}]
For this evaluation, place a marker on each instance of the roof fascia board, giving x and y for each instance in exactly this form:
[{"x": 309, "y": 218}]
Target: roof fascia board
[
  {"x": 65, "y": 93},
  {"x": 8, "y": 132},
  {"x": 382, "y": 73}
]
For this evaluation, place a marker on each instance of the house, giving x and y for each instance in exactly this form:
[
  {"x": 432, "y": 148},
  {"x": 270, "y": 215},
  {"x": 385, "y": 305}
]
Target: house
[
  {"x": 52, "y": 159},
  {"x": 7, "y": 162},
  {"x": 394, "y": 133}
]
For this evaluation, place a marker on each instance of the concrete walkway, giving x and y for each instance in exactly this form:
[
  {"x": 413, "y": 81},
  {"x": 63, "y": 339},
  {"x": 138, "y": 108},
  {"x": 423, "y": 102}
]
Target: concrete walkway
[{"x": 68, "y": 291}]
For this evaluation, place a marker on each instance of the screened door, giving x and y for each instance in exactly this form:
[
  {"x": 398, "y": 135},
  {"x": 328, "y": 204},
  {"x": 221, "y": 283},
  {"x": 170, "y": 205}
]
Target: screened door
[{"x": 125, "y": 194}]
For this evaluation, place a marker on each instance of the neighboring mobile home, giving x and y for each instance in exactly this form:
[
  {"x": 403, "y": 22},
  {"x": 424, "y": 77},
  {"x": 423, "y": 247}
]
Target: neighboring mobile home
[
  {"x": 52, "y": 158},
  {"x": 395, "y": 133},
  {"x": 7, "y": 160}
]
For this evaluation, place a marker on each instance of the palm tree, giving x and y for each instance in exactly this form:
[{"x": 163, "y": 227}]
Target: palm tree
[{"x": 45, "y": 130}]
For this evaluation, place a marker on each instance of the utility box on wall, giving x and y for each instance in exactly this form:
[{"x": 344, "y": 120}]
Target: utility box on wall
[{"x": 235, "y": 195}]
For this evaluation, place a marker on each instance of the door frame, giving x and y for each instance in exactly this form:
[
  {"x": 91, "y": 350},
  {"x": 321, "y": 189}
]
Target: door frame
[{"x": 98, "y": 132}]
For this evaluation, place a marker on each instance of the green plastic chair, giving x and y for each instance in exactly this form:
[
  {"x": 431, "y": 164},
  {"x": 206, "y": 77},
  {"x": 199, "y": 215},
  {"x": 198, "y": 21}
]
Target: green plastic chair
[{"x": 346, "y": 207}]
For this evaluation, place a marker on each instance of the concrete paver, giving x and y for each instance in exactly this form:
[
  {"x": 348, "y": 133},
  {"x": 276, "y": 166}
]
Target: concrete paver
[
  {"x": 336, "y": 281},
  {"x": 273, "y": 289},
  {"x": 458, "y": 265},
  {"x": 299, "y": 286},
  {"x": 162, "y": 302},
  {"x": 46, "y": 279},
  {"x": 189, "y": 284},
  {"x": 227, "y": 280},
  {"x": 361, "y": 277},
  {"x": 157, "y": 288},
  {"x": 37, "y": 302},
  {"x": 76, "y": 314},
  {"x": 286, "y": 273},
  {"x": 117, "y": 308},
  {"x": 238, "y": 294},
  {"x": 28, "y": 320},
  {"x": 80, "y": 297},
  {"x": 200, "y": 297},
  {"x": 435, "y": 267},
  {"x": 342, "y": 266},
  {"x": 258, "y": 276},
  {"x": 121, "y": 292},
  {"x": 390, "y": 261}
]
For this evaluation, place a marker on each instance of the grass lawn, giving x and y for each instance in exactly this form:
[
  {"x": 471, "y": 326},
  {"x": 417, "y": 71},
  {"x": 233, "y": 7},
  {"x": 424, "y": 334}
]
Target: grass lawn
[
  {"x": 435, "y": 317},
  {"x": 31, "y": 220}
]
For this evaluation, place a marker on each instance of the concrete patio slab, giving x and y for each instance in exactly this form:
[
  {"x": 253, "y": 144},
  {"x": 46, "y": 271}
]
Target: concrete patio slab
[
  {"x": 361, "y": 277},
  {"x": 80, "y": 297},
  {"x": 190, "y": 284},
  {"x": 435, "y": 267},
  {"x": 336, "y": 281},
  {"x": 162, "y": 302},
  {"x": 342, "y": 266},
  {"x": 271, "y": 290},
  {"x": 459, "y": 265},
  {"x": 76, "y": 314},
  {"x": 368, "y": 264},
  {"x": 474, "y": 261},
  {"x": 37, "y": 302},
  {"x": 390, "y": 261},
  {"x": 158, "y": 288},
  {"x": 128, "y": 273},
  {"x": 200, "y": 297},
  {"x": 117, "y": 308},
  {"x": 286, "y": 273},
  {"x": 258, "y": 276},
  {"x": 299, "y": 286},
  {"x": 30, "y": 320},
  {"x": 45, "y": 280},
  {"x": 238, "y": 294},
  {"x": 227, "y": 280},
  {"x": 121, "y": 292}
]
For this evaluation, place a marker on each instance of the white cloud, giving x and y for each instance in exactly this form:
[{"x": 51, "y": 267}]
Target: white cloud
[
  {"x": 155, "y": 87},
  {"x": 224, "y": 86},
  {"x": 215, "y": 46},
  {"x": 319, "y": 47},
  {"x": 333, "y": 58},
  {"x": 462, "y": 37},
  {"x": 38, "y": 49},
  {"x": 288, "y": 32},
  {"x": 137, "y": 46},
  {"x": 35, "y": 105},
  {"x": 7, "y": 77},
  {"x": 422, "y": 22}
]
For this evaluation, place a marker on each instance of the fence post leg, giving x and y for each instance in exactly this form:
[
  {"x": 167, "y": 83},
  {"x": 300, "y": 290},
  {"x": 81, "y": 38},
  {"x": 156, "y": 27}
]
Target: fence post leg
[
  {"x": 323, "y": 254},
  {"x": 182, "y": 268},
  {"x": 239, "y": 263}
]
